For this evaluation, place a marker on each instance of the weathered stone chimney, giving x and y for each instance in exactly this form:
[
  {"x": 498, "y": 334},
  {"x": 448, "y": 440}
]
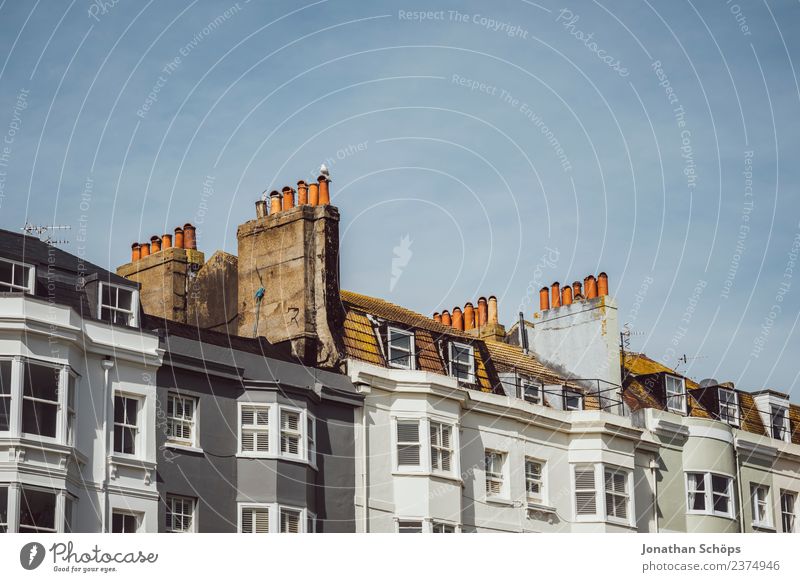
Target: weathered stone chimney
[{"x": 288, "y": 273}]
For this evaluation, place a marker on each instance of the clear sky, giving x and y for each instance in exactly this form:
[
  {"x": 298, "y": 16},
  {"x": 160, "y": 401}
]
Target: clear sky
[{"x": 481, "y": 148}]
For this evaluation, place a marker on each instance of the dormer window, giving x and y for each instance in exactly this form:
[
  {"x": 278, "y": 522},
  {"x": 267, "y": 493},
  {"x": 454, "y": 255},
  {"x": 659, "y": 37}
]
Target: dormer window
[
  {"x": 118, "y": 304},
  {"x": 675, "y": 391},
  {"x": 530, "y": 391},
  {"x": 462, "y": 362},
  {"x": 16, "y": 277},
  {"x": 573, "y": 399},
  {"x": 400, "y": 348},
  {"x": 779, "y": 422},
  {"x": 728, "y": 406}
]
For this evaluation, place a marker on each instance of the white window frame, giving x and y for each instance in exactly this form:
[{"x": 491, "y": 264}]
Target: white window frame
[
  {"x": 170, "y": 498},
  {"x": 10, "y": 398},
  {"x": 725, "y": 416},
  {"x": 709, "y": 493},
  {"x": 390, "y": 358},
  {"x": 275, "y": 511},
  {"x": 601, "y": 513},
  {"x": 397, "y": 443},
  {"x": 524, "y": 384},
  {"x": 256, "y": 428},
  {"x": 244, "y": 507},
  {"x": 299, "y": 434},
  {"x": 572, "y": 393},
  {"x": 494, "y": 477},
  {"x": 443, "y": 526},
  {"x": 58, "y": 510},
  {"x": 788, "y": 515},
  {"x": 438, "y": 449},
  {"x": 137, "y": 441},
  {"x": 301, "y": 518},
  {"x": 311, "y": 439},
  {"x": 59, "y": 403},
  {"x": 134, "y": 310},
  {"x": 452, "y": 346},
  {"x": 193, "y": 424},
  {"x": 311, "y": 522},
  {"x": 531, "y": 479},
  {"x": 30, "y": 286},
  {"x": 786, "y": 435},
  {"x": 409, "y": 523},
  {"x": 671, "y": 397},
  {"x": 127, "y": 513},
  {"x": 761, "y": 507},
  {"x": 610, "y": 509}
]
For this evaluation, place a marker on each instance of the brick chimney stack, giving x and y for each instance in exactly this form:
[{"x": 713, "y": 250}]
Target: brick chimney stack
[{"x": 288, "y": 277}]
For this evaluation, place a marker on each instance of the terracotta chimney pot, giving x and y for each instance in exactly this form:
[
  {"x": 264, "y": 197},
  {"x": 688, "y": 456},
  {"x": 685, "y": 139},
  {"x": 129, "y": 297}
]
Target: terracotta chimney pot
[
  {"x": 313, "y": 194},
  {"x": 566, "y": 295},
  {"x": 136, "y": 252},
  {"x": 576, "y": 290},
  {"x": 288, "y": 198},
  {"x": 144, "y": 250},
  {"x": 602, "y": 284},
  {"x": 166, "y": 241},
  {"x": 446, "y": 318},
  {"x": 324, "y": 191},
  {"x": 189, "y": 236},
  {"x": 178, "y": 237},
  {"x": 483, "y": 312},
  {"x": 590, "y": 286},
  {"x": 436, "y": 317},
  {"x": 555, "y": 295},
  {"x": 302, "y": 193},
  {"x": 544, "y": 299},
  {"x": 274, "y": 202},
  {"x": 458, "y": 319},
  {"x": 492, "y": 309},
  {"x": 469, "y": 316},
  {"x": 155, "y": 244}
]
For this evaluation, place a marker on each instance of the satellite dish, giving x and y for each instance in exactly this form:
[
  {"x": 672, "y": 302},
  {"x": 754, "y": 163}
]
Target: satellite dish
[{"x": 708, "y": 382}]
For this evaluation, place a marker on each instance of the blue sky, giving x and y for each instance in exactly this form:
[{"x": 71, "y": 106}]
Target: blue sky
[{"x": 509, "y": 144}]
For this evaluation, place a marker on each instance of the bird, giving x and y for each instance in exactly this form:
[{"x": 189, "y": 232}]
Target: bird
[{"x": 323, "y": 170}]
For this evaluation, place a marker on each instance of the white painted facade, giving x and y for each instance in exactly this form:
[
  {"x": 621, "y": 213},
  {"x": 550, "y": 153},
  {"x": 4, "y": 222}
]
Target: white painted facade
[
  {"x": 419, "y": 496},
  {"x": 73, "y": 480}
]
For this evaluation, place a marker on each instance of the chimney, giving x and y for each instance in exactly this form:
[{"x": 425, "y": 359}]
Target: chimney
[
  {"x": 555, "y": 295},
  {"x": 136, "y": 252},
  {"x": 313, "y": 194},
  {"x": 288, "y": 281},
  {"x": 189, "y": 238},
  {"x": 178, "y": 237},
  {"x": 261, "y": 208},
  {"x": 544, "y": 299},
  {"x": 492, "y": 310},
  {"x": 164, "y": 271},
  {"x": 324, "y": 192},
  {"x": 483, "y": 312},
  {"x": 469, "y": 316},
  {"x": 602, "y": 284},
  {"x": 288, "y": 198},
  {"x": 274, "y": 202},
  {"x": 446, "y": 320},
  {"x": 566, "y": 295},
  {"x": 436, "y": 317},
  {"x": 590, "y": 285},
  {"x": 302, "y": 193},
  {"x": 576, "y": 290},
  {"x": 458, "y": 319}
]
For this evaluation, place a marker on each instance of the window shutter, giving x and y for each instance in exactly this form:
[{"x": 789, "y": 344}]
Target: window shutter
[
  {"x": 255, "y": 520},
  {"x": 290, "y": 432},
  {"x": 290, "y": 521},
  {"x": 585, "y": 491},
  {"x": 408, "y": 443}
]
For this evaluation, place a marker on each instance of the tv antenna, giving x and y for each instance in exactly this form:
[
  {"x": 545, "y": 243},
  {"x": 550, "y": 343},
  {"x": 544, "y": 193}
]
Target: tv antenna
[
  {"x": 45, "y": 233},
  {"x": 684, "y": 359}
]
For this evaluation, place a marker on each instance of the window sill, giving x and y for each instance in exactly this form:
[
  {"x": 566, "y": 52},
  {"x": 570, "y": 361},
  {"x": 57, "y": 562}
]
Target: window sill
[
  {"x": 505, "y": 501},
  {"x": 711, "y": 514},
  {"x": 428, "y": 474},
  {"x": 184, "y": 448},
  {"x": 763, "y": 527},
  {"x": 274, "y": 457},
  {"x": 540, "y": 507}
]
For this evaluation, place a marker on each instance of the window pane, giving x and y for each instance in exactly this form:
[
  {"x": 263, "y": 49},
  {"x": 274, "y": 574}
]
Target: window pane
[
  {"x": 40, "y": 381},
  {"x": 39, "y": 418},
  {"x": 37, "y": 511},
  {"x": 719, "y": 484},
  {"x": 6, "y": 274},
  {"x": 409, "y": 527},
  {"x": 400, "y": 340},
  {"x": 109, "y": 295},
  {"x": 5, "y": 377},
  {"x": 3, "y": 509},
  {"x": 124, "y": 299}
]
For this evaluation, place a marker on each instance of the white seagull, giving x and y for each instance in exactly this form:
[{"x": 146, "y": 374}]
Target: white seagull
[{"x": 323, "y": 170}]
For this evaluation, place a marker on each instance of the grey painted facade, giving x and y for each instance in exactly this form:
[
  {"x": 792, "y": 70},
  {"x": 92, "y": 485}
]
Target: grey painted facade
[{"x": 215, "y": 472}]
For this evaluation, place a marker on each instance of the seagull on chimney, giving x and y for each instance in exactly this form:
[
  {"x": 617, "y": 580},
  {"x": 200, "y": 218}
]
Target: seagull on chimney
[{"x": 323, "y": 170}]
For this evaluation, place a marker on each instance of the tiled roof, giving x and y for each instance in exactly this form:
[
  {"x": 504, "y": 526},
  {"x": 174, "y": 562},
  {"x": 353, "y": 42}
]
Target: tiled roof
[
  {"x": 794, "y": 422},
  {"x": 491, "y": 357},
  {"x": 638, "y": 395}
]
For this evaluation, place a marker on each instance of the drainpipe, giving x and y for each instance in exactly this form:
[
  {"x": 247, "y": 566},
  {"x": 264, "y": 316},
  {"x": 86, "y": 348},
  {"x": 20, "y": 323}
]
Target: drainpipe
[
  {"x": 654, "y": 471},
  {"x": 364, "y": 388},
  {"x": 740, "y": 507},
  {"x": 107, "y": 364}
]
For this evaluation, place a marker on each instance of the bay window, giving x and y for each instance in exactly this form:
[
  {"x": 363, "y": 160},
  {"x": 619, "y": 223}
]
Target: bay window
[
  {"x": 709, "y": 493},
  {"x": 261, "y": 518},
  {"x": 616, "y": 483},
  {"x": 441, "y": 448},
  {"x": 40, "y": 399},
  {"x": 290, "y": 520},
  {"x": 37, "y": 511},
  {"x": 254, "y": 429},
  {"x": 255, "y": 519},
  {"x": 603, "y": 492},
  {"x": 291, "y": 435},
  {"x": 408, "y": 443},
  {"x": 5, "y": 395},
  {"x": 269, "y": 430}
]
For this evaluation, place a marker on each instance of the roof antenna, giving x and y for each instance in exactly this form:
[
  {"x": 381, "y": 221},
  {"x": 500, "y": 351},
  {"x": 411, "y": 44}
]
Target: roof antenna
[
  {"x": 36, "y": 230},
  {"x": 523, "y": 333}
]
